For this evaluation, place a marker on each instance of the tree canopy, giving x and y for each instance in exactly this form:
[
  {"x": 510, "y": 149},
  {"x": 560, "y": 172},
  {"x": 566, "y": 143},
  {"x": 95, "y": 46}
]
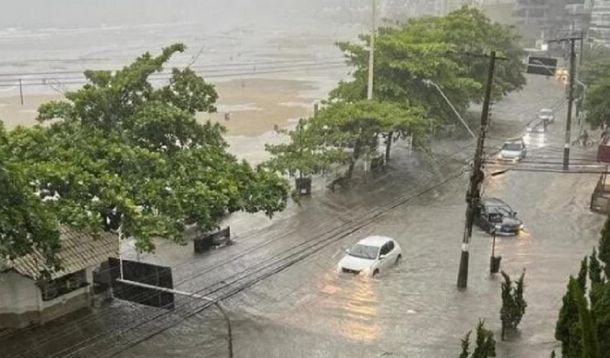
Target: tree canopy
[
  {"x": 595, "y": 73},
  {"x": 124, "y": 153},
  {"x": 343, "y": 132},
  {"x": 437, "y": 49},
  {"x": 25, "y": 224}
]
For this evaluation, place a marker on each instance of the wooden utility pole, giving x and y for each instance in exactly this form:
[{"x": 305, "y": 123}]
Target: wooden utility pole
[
  {"x": 473, "y": 195},
  {"x": 568, "y": 136}
]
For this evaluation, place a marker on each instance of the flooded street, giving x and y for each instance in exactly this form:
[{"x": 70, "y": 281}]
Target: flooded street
[{"x": 285, "y": 299}]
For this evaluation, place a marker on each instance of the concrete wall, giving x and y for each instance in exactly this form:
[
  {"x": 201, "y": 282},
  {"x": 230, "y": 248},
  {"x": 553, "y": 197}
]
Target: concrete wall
[{"x": 21, "y": 302}]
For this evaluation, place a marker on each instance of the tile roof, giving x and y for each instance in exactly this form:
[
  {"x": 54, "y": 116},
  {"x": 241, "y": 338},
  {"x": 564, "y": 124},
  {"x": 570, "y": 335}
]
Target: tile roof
[{"x": 78, "y": 251}]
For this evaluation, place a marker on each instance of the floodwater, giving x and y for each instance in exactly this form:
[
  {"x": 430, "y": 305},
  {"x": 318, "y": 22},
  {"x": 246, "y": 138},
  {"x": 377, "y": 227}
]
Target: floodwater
[{"x": 285, "y": 299}]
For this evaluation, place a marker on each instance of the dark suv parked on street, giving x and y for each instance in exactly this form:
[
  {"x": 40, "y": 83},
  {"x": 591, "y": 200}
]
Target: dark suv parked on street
[{"x": 495, "y": 214}]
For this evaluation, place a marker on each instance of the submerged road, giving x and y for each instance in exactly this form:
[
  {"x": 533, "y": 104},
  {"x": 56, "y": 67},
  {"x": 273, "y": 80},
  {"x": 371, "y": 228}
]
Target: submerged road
[{"x": 285, "y": 299}]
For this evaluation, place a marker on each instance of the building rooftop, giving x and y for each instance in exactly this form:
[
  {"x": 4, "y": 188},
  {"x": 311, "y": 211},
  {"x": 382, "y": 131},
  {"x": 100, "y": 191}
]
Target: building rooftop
[{"x": 78, "y": 251}]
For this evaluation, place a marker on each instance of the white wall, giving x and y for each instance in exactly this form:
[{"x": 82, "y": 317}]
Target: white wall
[{"x": 18, "y": 294}]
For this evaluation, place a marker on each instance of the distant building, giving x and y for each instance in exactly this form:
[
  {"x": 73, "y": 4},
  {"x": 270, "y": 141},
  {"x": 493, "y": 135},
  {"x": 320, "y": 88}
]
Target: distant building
[
  {"x": 25, "y": 299},
  {"x": 543, "y": 20},
  {"x": 599, "y": 31}
]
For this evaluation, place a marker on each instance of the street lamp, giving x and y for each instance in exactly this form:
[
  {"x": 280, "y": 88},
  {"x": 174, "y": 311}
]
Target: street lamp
[{"x": 429, "y": 83}]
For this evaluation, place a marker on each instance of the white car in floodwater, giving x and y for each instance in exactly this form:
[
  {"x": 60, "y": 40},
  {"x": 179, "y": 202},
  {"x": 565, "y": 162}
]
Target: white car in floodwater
[
  {"x": 371, "y": 256},
  {"x": 513, "y": 151}
]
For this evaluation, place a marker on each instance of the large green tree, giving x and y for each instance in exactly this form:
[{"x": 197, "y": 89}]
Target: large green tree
[
  {"x": 361, "y": 125},
  {"x": 304, "y": 154},
  {"x": 25, "y": 224},
  {"x": 409, "y": 56},
  {"x": 595, "y": 74},
  {"x": 124, "y": 153}
]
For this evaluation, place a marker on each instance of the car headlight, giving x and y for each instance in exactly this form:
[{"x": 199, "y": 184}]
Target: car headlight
[{"x": 498, "y": 226}]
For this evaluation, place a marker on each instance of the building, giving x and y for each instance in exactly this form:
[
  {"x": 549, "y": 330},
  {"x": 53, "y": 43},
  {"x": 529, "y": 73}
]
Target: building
[
  {"x": 26, "y": 299},
  {"x": 599, "y": 31}
]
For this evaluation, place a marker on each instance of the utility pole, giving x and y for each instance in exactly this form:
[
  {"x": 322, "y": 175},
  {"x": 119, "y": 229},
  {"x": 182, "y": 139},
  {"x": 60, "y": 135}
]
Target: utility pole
[
  {"x": 474, "y": 191},
  {"x": 568, "y": 136},
  {"x": 369, "y": 94},
  {"x": 566, "y": 148}
]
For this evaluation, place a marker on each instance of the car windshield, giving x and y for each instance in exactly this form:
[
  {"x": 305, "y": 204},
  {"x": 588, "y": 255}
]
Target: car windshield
[
  {"x": 364, "y": 252},
  {"x": 512, "y": 146},
  {"x": 502, "y": 210}
]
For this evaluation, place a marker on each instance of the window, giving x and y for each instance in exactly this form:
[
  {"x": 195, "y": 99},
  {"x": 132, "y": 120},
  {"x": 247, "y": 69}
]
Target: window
[
  {"x": 364, "y": 252},
  {"x": 63, "y": 285},
  {"x": 386, "y": 248},
  {"x": 512, "y": 146},
  {"x": 390, "y": 246}
]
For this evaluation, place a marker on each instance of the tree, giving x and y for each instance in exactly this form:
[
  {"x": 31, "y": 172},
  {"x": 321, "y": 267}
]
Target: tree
[
  {"x": 434, "y": 49},
  {"x": 485, "y": 343},
  {"x": 513, "y": 303},
  {"x": 360, "y": 125},
  {"x": 25, "y": 225},
  {"x": 404, "y": 57},
  {"x": 595, "y": 276},
  {"x": 124, "y": 154},
  {"x": 568, "y": 319},
  {"x": 304, "y": 155},
  {"x": 604, "y": 248},
  {"x": 465, "y": 346},
  {"x": 596, "y": 75},
  {"x": 590, "y": 344},
  {"x": 595, "y": 269},
  {"x": 601, "y": 313},
  {"x": 582, "y": 274},
  {"x": 471, "y": 31}
]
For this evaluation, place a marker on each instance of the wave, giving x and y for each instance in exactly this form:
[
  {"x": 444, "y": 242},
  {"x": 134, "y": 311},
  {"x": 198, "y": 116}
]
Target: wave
[{"x": 18, "y": 32}]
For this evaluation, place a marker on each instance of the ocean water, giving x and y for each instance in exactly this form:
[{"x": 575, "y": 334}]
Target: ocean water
[{"x": 47, "y": 44}]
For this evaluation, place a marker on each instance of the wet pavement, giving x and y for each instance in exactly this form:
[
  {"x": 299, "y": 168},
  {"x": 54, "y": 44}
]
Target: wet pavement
[{"x": 285, "y": 298}]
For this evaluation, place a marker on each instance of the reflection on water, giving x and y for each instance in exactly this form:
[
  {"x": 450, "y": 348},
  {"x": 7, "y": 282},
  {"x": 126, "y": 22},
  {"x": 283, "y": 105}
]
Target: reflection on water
[
  {"x": 360, "y": 309},
  {"x": 356, "y": 298},
  {"x": 348, "y": 304},
  {"x": 535, "y": 140}
]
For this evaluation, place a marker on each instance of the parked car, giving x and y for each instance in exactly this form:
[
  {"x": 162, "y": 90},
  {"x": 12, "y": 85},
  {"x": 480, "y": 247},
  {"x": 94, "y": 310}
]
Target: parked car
[
  {"x": 513, "y": 151},
  {"x": 496, "y": 215},
  {"x": 371, "y": 256},
  {"x": 547, "y": 115}
]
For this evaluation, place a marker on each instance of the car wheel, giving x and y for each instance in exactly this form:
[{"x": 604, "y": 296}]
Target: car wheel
[
  {"x": 398, "y": 258},
  {"x": 376, "y": 272}
]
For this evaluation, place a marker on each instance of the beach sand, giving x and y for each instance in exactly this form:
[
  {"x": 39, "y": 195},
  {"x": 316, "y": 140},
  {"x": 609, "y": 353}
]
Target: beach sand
[{"x": 254, "y": 106}]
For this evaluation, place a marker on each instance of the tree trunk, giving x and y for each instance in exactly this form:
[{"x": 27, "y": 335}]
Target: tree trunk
[
  {"x": 354, "y": 159},
  {"x": 388, "y": 146}
]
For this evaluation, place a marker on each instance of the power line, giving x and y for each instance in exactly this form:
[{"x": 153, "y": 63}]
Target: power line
[
  {"x": 200, "y": 273},
  {"x": 300, "y": 258},
  {"x": 277, "y": 259}
]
